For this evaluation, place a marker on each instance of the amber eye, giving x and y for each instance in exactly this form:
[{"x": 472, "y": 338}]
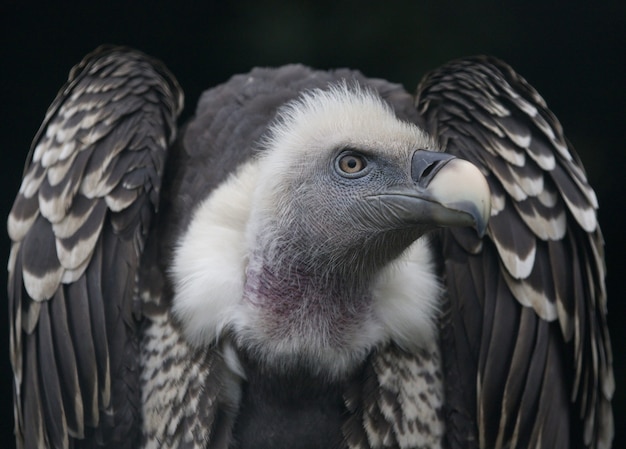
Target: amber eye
[{"x": 352, "y": 163}]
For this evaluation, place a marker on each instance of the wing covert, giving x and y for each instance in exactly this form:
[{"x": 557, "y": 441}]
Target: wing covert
[
  {"x": 526, "y": 335},
  {"x": 78, "y": 225}
]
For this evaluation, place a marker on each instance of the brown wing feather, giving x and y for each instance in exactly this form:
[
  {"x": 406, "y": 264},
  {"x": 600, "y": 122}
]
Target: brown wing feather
[{"x": 539, "y": 368}]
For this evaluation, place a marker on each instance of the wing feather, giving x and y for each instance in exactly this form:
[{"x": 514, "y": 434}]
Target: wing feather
[
  {"x": 80, "y": 337},
  {"x": 41, "y": 270},
  {"x": 31, "y": 400},
  {"x": 75, "y": 399},
  {"x": 78, "y": 227},
  {"x": 51, "y": 388},
  {"x": 542, "y": 367}
]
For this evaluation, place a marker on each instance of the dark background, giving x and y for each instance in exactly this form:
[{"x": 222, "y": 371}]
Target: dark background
[{"x": 574, "y": 55}]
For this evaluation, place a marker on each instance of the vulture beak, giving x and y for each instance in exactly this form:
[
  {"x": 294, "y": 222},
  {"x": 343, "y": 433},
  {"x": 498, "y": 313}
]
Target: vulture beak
[{"x": 446, "y": 191}]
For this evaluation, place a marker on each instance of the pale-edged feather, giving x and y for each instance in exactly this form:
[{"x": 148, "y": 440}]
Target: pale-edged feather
[
  {"x": 538, "y": 148},
  {"x": 504, "y": 174},
  {"x": 40, "y": 268},
  {"x": 530, "y": 178},
  {"x": 80, "y": 379},
  {"x": 102, "y": 181},
  {"x": 73, "y": 274},
  {"x": 100, "y": 175},
  {"x": 550, "y": 196},
  {"x": 515, "y": 242},
  {"x": 506, "y": 149},
  {"x": 519, "y": 133},
  {"x": 137, "y": 178},
  {"x": 74, "y": 250},
  {"x": 548, "y": 223},
  {"x": 123, "y": 222},
  {"x": 33, "y": 178},
  {"x": 498, "y": 197},
  {"x": 120, "y": 198},
  {"x": 537, "y": 290},
  {"x": 56, "y": 200},
  {"x": 545, "y": 231},
  {"x": 83, "y": 210},
  {"x": 30, "y": 315},
  {"x": 580, "y": 203},
  {"x": 59, "y": 171},
  {"x": 52, "y": 149},
  {"x": 458, "y": 100}
]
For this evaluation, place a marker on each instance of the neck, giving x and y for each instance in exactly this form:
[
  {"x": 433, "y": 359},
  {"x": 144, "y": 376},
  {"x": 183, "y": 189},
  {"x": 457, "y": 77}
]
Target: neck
[
  {"x": 297, "y": 314},
  {"x": 301, "y": 297}
]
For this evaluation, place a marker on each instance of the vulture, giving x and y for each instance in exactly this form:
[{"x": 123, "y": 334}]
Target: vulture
[{"x": 316, "y": 259}]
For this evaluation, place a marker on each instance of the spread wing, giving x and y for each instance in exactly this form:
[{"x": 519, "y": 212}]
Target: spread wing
[
  {"x": 78, "y": 225},
  {"x": 526, "y": 350}
]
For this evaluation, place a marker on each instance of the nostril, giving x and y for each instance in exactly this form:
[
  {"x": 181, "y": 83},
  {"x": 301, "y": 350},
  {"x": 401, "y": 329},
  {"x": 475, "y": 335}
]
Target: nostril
[
  {"x": 425, "y": 165},
  {"x": 429, "y": 169}
]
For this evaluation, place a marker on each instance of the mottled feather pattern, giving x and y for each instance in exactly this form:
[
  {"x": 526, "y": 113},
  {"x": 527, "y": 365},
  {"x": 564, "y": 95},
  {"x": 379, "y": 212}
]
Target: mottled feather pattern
[
  {"x": 179, "y": 403},
  {"x": 411, "y": 396},
  {"x": 78, "y": 225},
  {"x": 550, "y": 248},
  {"x": 399, "y": 403}
]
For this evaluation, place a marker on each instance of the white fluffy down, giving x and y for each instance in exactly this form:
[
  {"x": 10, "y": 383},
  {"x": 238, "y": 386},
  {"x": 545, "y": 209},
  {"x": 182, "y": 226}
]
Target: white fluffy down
[
  {"x": 211, "y": 258},
  {"x": 341, "y": 116},
  {"x": 406, "y": 295}
]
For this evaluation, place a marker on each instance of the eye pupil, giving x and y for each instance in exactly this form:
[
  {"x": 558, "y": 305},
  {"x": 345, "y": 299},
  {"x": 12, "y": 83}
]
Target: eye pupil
[{"x": 352, "y": 163}]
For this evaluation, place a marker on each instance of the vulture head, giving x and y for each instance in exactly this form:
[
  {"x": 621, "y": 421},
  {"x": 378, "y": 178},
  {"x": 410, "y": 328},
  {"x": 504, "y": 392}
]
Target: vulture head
[{"x": 312, "y": 253}]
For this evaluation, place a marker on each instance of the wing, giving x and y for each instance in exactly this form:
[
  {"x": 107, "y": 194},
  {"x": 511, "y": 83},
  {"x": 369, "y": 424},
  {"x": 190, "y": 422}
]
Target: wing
[
  {"x": 526, "y": 350},
  {"x": 78, "y": 227}
]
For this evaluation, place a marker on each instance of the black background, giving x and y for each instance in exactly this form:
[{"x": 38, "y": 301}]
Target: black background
[{"x": 574, "y": 54}]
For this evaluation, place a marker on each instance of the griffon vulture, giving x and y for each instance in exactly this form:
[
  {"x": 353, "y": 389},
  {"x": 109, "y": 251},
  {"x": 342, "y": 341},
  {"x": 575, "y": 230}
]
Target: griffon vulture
[{"x": 315, "y": 260}]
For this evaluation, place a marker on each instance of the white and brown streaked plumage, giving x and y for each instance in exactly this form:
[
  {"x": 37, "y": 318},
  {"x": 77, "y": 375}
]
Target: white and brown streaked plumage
[{"x": 306, "y": 264}]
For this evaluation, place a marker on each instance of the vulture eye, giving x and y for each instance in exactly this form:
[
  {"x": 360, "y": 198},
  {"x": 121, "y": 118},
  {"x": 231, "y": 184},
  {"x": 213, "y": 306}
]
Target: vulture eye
[{"x": 351, "y": 164}]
